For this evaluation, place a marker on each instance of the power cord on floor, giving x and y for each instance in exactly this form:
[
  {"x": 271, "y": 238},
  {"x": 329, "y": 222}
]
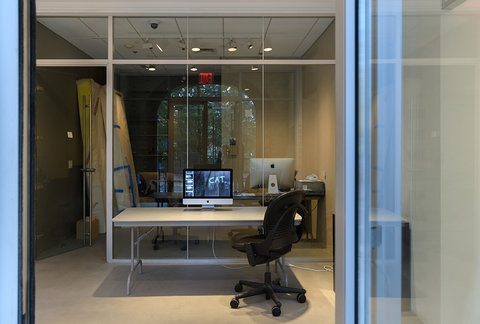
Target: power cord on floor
[
  {"x": 215, "y": 256},
  {"x": 326, "y": 268}
]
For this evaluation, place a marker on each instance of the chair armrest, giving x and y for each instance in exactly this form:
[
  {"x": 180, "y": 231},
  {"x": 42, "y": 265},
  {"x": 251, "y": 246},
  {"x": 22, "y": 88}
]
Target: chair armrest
[
  {"x": 250, "y": 254},
  {"x": 299, "y": 228}
]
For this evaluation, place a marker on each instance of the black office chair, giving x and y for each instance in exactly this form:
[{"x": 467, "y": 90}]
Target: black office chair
[{"x": 279, "y": 234}]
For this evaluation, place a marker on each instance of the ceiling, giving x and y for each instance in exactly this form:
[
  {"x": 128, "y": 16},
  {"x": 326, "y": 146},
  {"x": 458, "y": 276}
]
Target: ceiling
[{"x": 135, "y": 38}]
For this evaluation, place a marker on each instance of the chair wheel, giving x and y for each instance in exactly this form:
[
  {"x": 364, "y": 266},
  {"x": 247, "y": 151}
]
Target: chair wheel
[
  {"x": 276, "y": 311},
  {"x": 301, "y": 298},
  {"x": 238, "y": 287},
  {"x": 234, "y": 303}
]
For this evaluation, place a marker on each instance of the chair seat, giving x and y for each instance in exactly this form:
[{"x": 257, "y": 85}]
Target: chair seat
[{"x": 240, "y": 244}]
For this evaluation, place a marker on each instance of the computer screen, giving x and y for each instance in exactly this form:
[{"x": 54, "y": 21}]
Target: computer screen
[
  {"x": 261, "y": 168},
  {"x": 207, "y": 187}
]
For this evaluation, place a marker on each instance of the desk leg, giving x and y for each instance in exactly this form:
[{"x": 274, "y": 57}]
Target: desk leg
[
  {"x": 187, "y": 241},
  {"x": 321, "y": 223},
  {"x": 132, "y": 261},
  {"x": 138, "y": 250},
  {"x": 133, "y": 264}
]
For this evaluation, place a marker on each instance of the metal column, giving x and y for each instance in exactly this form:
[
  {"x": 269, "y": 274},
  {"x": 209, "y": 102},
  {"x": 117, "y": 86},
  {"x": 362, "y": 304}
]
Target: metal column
[{"x": 87, "y": 169}]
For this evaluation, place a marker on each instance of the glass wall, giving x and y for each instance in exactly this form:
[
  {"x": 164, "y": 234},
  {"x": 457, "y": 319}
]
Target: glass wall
[
  {"x": 418, "y": 162},
  {"x": 59, "y": 159},
  {"x": 223, "y": 115},
  {"x": 196, "y": 92}
]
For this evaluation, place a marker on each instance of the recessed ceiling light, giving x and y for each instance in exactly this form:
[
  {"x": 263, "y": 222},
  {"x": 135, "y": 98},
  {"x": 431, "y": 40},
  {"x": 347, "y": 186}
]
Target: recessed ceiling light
[
  {"x": 229, "y": 87},
  {"x": 159, "y": 48},
  {"x": 254, "y": 68},
  {"x": 231, "y": 46},
  {"x": 246, "y": 89},
  {"x": 151, "y": 68},
  {"x": 249, "y": 45},
  {"x": 268, "y": 49},
  {"x": 193, "y": 69},
  {"x": 196, "y": 49}
]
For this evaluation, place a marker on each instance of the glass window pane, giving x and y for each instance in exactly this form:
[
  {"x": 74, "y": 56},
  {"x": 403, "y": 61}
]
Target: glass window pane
[
  {"x": 224, "y": 133},
  {"x": 299, "y": 38},
  {"x": 60, "y": 152},
  {"x": 418, "y": 175},
  {"x": 299, "y": 125},
  {"x": 150, "y": 38},
  {"x": 71, "y": 38},
  {"x": 224, "y": 38},
  {"x": 156, "y": 163}
]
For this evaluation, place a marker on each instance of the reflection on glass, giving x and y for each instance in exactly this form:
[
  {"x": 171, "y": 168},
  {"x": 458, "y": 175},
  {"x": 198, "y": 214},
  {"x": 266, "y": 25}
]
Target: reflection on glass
[
  {"x": 61, "y": 195},
  {"x": 418, "y": 178}
]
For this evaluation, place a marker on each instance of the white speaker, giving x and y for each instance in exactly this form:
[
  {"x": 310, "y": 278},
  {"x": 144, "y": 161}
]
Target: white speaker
[{"x": 272, "y": 184}]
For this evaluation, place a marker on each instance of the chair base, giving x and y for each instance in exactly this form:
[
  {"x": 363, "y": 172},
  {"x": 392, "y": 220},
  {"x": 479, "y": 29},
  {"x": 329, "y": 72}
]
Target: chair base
[{"x": 269, "y": 289}]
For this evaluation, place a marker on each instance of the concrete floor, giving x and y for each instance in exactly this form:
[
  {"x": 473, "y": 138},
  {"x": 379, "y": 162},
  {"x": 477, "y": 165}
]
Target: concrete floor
[{"x": 80, "y": 287}]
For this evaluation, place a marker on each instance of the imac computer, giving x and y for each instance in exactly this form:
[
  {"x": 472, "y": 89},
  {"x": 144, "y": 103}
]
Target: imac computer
[
  {"x": 261, "y": 171},
  {"x": 208, "y": 187}
]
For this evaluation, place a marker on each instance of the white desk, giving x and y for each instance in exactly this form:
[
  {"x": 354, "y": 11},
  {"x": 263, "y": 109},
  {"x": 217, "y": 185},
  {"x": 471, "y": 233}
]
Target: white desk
[
  {"x": 189, "y": 216},
  {"x": 180, "y": 216}
]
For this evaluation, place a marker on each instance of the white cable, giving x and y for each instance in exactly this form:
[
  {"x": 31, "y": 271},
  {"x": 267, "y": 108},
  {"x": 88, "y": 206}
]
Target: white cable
[
  {"x": 326, "y": 268},
  {"x": 215, "y": 256}
]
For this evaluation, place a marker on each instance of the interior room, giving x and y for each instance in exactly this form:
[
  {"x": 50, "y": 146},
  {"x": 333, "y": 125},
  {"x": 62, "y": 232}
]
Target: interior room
[
  {"x": 148, "y": 170},
  {"x": 245, "y": 94}
]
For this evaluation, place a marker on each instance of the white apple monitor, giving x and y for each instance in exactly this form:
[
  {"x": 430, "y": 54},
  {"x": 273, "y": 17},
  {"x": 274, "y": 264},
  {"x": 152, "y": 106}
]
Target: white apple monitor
[
  {"x": 208, "y": 187},
  {"x": 262, "y": 168}
]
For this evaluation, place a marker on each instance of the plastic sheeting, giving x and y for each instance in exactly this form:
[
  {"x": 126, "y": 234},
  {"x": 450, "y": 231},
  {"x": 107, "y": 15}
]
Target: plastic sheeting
[{"x": 124, "y": 185}]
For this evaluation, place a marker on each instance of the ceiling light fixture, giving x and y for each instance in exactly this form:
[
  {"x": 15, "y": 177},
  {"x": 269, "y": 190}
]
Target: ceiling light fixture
[
  {"x": 229, "y": 87},
  {"x": 150, "y": 68},
  {"x": 159, "y": 48},
  {"x": 267, "y": 49},
  {"x": 181, "y": 44},
  {"x": 193, "y": 69},
  {"x": 249, "y": 45},
  {"x": 196, "y": 49},
  {"x": 231, "y": 46},
  {"x": 254, "y": 68},
  {"x": 147, "y": 45}
]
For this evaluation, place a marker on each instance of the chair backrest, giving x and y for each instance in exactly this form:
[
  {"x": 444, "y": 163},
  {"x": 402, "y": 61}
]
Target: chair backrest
[{"x": 282, "y": 210}]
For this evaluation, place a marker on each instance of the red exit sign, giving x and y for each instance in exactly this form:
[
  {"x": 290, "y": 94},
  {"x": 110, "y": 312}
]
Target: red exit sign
[{"x": 206, "y": 78}]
